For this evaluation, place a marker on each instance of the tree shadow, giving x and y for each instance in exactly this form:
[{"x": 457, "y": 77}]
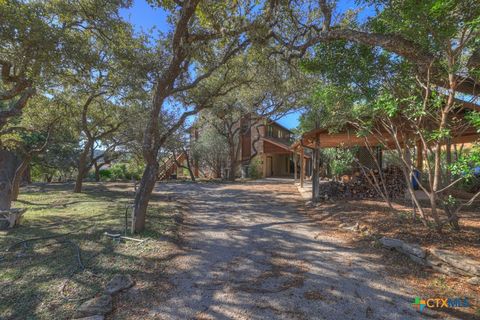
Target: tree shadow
[{"x": 249, "y": 252}]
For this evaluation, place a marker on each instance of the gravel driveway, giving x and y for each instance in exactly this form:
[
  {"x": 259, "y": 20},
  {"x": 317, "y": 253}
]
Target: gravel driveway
[{"x": 250, "y": 253}]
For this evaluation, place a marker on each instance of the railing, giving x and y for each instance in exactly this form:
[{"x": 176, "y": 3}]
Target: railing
[{"x": 166, "y": 168}]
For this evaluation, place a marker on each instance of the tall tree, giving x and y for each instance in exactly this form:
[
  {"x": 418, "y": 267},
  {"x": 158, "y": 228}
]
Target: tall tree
[
  {"x": 204, "y": 36},
  {"x": 403, "y": 27},
  {"x": 37, "y": 42},
  {"x": 414, "y": 107}
]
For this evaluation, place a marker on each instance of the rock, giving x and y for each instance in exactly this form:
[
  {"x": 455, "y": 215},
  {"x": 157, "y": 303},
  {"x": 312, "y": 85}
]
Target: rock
[
  {"x": 96, "y": 317},
  {"x": 417, "y": 259},
  {"x": 433, "y": 261},
  {"x": 413, "y": 249},
  {"x": 118, "y": 283},
  {"x": 97, "y": 306},
  {"x": 447, "y": 269},
  {"x": 458, "y": 261},
  {"x": 391, "y": 243},
  {"x": 474, "y": 280},
  {"x": 355, "y": 227}
]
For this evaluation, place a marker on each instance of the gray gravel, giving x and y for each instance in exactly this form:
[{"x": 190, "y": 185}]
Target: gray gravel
[{"x": 250, "y": 253}]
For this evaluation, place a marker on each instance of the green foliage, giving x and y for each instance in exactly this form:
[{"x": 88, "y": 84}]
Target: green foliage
[
  {"x": 118, "y": 171},
  {"x": 255, "y": 168},
  {"x": 474, "y": 118},
  {"x": 467, "y": 162},
  {"x": 429, "y": 23},
  {"x": 105, "y": 174},
  {"x": 339, "y": 160},
  {"x": 122, "y": 171},
  {"x": 211, "y": 148}
]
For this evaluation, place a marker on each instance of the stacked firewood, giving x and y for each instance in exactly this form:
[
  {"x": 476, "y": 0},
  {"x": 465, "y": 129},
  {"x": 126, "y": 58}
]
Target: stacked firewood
[{"x": 361, "y": 185}]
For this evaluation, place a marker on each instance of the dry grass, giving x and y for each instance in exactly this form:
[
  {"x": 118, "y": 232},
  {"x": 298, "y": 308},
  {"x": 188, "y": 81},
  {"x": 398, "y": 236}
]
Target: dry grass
[{"x": 32, "y": 276}]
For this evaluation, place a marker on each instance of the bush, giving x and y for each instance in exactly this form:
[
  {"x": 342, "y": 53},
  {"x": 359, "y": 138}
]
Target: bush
[
  {"x": 255, "y": 171},
  {"x": 105, "y": 174},
  {"x": 119, "y": 171}
]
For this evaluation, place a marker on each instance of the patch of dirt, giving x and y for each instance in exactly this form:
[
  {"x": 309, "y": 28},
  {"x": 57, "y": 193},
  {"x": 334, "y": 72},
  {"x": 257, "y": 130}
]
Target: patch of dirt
[
  {"x": 314, "y": 295},
  {"x": 377, "y": 220}
]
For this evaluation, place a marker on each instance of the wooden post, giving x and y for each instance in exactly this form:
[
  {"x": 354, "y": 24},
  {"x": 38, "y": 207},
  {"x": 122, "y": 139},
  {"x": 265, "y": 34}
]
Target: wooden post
[
  {"x": 302, "y": 167},
  {"x": 316, "y": 169},
  {"x": 264, "y": 160},
  {"x": 288, "y": 165},
  {"x": 294, "y": 167}
]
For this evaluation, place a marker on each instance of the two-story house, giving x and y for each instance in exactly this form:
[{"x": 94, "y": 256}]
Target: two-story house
[
  {"x": 269, "y": 142},
  {"x": 263, "y": 151}
]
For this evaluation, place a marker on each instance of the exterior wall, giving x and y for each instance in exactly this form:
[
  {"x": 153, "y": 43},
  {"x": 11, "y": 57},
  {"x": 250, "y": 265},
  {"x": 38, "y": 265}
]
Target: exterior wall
[
  {"x": 272, "y": 148},
  {"x": 278, "y": 157},
  {"x": 276, "y": 165}
]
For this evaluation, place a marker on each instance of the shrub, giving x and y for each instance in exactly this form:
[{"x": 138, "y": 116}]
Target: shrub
[
  {"x": 255, "y": 171},
  {"x": 105, "y": 174}
]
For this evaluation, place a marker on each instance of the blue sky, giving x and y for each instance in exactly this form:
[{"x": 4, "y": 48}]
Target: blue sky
[{"x": 152, "y": 20}]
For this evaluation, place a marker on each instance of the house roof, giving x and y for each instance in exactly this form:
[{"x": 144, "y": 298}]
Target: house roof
[{"x": 348, "y": 138}]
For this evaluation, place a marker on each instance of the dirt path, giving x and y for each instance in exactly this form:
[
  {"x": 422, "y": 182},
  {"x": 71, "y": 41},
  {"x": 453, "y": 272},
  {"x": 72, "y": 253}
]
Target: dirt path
[{"x": 250, "y": 253}]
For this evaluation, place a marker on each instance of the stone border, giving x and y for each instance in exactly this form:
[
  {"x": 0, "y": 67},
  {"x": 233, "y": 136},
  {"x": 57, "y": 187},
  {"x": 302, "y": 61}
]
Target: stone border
[
  {"x": 96, "y": 308},
  {"x": 443, "y": 261}
]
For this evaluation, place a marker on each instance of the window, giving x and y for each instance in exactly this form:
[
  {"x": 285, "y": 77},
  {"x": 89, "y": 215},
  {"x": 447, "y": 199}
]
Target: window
[{"x": 270, "y": 131}]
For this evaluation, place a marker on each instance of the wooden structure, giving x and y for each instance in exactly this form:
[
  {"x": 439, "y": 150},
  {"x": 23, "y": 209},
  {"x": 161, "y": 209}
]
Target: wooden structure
[
  {"x": 169, "y": 167},
  {"x": 265, "y": 144},
  {"x": 323, "y": 138}
]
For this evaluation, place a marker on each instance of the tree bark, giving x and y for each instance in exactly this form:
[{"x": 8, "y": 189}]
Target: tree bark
[
  {"x": 189, "y": 166},
  {"x": 142, "y": 196},
  {"x": 233, "y": 161},
  {"x": 8, "y": 165},
  {"x": 448, "y": 159},
  {"x": 82, "y": 167},
  {"x": 97, "y": 172},
  {"x": 17, "y": 180}
]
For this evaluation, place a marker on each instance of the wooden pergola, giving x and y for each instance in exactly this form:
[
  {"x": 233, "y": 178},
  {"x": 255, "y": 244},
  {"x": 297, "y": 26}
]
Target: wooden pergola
[{"x": 348, "y": 137}]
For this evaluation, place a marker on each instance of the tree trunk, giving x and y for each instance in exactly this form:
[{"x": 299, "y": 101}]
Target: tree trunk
[
  {"x": 189, "y": 167},
  {"x": 233, "y": 163},
  {"x": 82, "y": 167},
  {"x": 97, "y": 171},
  {"x": 8, "y": 165},
  {"x": 17, "y": 180},
  {"x": 448, "y": 158},
  {"x": 142, "y": 196}
]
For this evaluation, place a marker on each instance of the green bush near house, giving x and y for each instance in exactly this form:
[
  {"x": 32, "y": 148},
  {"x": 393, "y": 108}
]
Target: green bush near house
[
  {"x": 255, "y": 171},
  {"x": 105, "y": 174}
]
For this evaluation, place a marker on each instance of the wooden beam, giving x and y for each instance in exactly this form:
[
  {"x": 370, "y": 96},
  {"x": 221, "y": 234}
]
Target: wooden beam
[
  {"x": 288, "y": 164},
  {"x": 294, "y": 166},
  {"x": 302, "y": 166},
  {"x": 264, "y": 160},
  {"x": 316, "y": 169}
]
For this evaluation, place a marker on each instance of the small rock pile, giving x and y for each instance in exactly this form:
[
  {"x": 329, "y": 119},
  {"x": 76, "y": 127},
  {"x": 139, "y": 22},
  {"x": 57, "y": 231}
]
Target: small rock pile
[
  {"x": 96, "y": 308},
  {"x": 440, "y": 260},
  {"x": 358, "y": 186}
]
